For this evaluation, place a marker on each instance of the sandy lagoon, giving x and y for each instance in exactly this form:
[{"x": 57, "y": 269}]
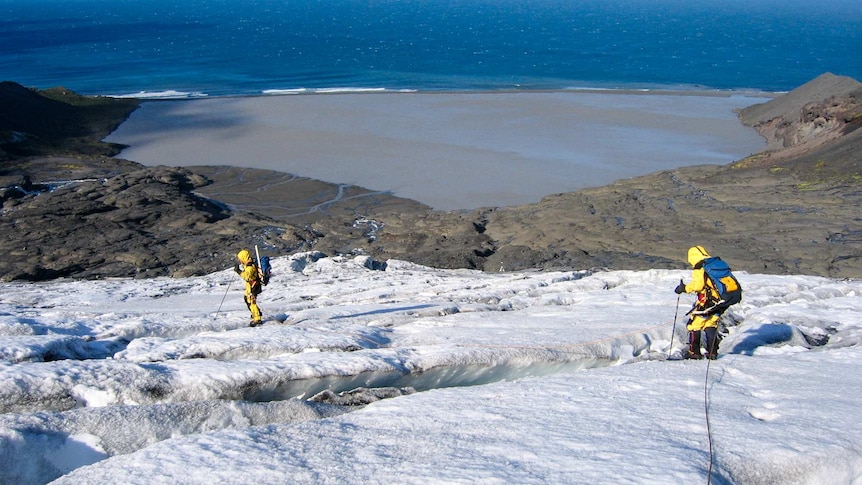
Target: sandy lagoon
[{"x": 448, "y": 150}]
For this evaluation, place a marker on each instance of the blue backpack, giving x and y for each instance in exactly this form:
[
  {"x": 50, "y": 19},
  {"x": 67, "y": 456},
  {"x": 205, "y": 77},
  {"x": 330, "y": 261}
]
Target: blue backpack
[
  {"x": 722, "y": 279},
  {"x": 265, "y": 270}
]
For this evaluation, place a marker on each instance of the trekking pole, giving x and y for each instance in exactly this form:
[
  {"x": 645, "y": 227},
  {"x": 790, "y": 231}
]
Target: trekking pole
[
  {"x": 223, "y": 298},
  {"x": 673, "y": 329}
]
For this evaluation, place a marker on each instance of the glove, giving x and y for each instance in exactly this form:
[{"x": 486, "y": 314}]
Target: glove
[
  {"x": 237, "y": 268},
  {"x": 680, "y": 288}
]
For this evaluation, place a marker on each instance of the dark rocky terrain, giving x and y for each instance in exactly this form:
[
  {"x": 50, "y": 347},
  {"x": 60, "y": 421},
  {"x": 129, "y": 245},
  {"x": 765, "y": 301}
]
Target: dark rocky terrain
[{"x": 72, "y": 210}]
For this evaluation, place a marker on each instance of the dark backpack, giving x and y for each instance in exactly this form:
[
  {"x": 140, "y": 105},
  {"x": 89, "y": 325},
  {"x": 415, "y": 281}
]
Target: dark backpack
[
  {"x": 265, "y": 270},
  {"x": 722, "y": 279}
]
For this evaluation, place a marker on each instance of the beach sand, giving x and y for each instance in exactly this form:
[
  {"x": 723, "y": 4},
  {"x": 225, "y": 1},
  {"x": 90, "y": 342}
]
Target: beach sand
[{"x": 448, "y": 150}]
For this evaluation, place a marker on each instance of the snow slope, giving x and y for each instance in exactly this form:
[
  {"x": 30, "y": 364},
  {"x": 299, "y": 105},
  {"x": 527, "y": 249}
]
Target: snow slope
[{"x": 468, "y": 377}]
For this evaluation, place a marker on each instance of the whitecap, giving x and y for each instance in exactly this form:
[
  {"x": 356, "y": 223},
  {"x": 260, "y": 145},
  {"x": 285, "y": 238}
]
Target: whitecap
[{"x": 168, "y": 94}]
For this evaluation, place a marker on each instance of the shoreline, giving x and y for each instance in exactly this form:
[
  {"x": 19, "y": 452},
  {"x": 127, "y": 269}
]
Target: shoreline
[
  {"x": 174, "y": 95},
  {"x": 449, "y": 150}
]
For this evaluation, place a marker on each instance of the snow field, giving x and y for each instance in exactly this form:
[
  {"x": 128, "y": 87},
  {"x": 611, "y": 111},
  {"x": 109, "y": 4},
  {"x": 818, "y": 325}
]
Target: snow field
[{"x": 162, "y": 381}]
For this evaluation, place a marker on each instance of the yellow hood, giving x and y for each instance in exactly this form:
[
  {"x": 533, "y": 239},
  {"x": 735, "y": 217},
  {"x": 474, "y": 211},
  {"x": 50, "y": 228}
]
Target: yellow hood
[
  {"x": 244, "y": 256},
  {"x": 696, "y": 255}
]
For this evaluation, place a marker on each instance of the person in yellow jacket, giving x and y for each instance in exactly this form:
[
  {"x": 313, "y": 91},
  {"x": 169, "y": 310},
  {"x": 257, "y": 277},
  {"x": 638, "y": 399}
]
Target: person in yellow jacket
[
  {"x": 247, "y": 270},
  {"x": 707, "y": 309}
]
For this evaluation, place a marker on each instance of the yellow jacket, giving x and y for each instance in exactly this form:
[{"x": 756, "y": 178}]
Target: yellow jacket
[
  {"x": 699, "y": 282},
  {"x": 248, "y": 273}
]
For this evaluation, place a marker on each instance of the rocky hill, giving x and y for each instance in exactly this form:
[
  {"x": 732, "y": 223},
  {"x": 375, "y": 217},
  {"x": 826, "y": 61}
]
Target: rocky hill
[
  {"x": 58, "y": 121},
  {"x": 71, "y": 210}
]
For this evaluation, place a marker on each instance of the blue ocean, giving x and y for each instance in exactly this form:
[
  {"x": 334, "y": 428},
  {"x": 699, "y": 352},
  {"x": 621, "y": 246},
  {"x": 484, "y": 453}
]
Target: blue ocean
[{"x": 249, "y": 47}]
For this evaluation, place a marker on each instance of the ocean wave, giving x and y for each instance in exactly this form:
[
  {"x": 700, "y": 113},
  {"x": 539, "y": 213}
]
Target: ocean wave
[
  {"x": 279, "y": 92},
  {"x": 334, "y": 90},
  {"x": 168, "y": 94},
  {"x": 337, "y": 90},
  {"x": 584, "y": 88},
  {"x": 681, "y": 89},
  {"x": 349, "y": 90},
  {"x": 677, "y": 89}
]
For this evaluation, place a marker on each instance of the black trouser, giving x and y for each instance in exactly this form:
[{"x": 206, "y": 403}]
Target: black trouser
[{"x": 712, "y": 341}]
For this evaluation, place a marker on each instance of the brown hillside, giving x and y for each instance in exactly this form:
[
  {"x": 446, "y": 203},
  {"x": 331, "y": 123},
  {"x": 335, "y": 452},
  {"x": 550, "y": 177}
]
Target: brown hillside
[{"x": 790, "y": 209}]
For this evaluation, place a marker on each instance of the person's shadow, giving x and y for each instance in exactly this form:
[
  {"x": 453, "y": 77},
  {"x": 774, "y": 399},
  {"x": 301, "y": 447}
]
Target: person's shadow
[{"x": 766, "y": 334}]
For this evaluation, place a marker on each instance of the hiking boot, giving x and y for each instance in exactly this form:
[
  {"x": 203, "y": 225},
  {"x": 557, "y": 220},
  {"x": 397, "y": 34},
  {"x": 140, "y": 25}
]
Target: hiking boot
[
  {"x": 712, "y": 356},
  {"x": 255, "y": 323},
  {"x": 693, "y": 356}
]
